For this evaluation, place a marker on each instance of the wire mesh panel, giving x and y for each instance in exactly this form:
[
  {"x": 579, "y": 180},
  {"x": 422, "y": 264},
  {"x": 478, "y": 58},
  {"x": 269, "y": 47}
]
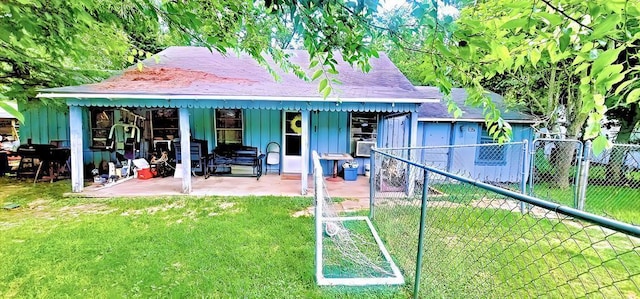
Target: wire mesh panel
[
  {"x": 476, "y": 242},
  {"x": 348, "y": 249},
  {"x": 613, "y": 185},
  {"x": 554, "y": 170},
  {"x": 501, "y": 164}
]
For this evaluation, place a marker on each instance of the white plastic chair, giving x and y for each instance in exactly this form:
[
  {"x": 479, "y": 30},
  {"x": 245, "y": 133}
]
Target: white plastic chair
[{"x": 273, "y": 156}]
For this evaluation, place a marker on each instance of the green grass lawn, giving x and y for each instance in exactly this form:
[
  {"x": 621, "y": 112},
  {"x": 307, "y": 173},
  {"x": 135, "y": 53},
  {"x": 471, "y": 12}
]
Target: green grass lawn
[
  {"x": 492, "y": 253},
  {"x": 219, "y": 247},
  {"x": 618, "y": 202},
  {"x": 252, "y": 247}
]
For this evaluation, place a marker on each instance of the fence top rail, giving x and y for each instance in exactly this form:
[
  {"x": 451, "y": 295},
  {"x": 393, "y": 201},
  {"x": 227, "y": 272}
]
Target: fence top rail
[
  {"x": 624, "y": 145},
  {"x": 448, "y": 146},
  {"x": 564, "y": 210},
  {"x": 556, "y": 139}
]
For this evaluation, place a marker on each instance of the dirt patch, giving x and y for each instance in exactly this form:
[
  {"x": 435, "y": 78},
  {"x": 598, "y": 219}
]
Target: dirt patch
[
  {"x": 226, "y": 205},
  {"x": 38, "y": 205},
  {"x": 308, "y": 212},
  {"x": 154, "y": 78},
  {"x": 155, "y": 209},
  {"x": 90, "y": 208}
]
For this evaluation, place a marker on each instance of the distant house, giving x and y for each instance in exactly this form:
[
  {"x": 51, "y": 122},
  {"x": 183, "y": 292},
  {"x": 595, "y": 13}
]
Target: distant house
[
  {"x": 438, "y": 128},
  {"x": 210, "y": 100}
]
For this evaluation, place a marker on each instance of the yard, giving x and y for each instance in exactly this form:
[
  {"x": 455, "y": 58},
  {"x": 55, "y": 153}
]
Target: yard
[
  {"x": 54, "y": 246},
  {"x": 158, "y": 247}
]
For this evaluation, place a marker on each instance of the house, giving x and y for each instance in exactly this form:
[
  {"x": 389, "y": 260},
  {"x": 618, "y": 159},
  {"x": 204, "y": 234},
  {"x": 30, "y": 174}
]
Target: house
[
  {"x": 438, "y": 128},
  {"x": 208, "y": 100}
]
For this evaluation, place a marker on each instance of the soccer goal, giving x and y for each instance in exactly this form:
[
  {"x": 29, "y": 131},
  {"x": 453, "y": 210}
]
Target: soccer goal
[{"x": 349, "y": 251}]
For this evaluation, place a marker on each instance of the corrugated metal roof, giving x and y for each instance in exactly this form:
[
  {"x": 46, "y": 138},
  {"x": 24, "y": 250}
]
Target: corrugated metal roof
[
  {"x": 433, "y": 111},
  {"x": 213, "y": 74}
]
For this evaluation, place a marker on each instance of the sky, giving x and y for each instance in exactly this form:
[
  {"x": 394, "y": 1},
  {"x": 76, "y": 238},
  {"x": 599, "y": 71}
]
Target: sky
[{"x": 390, "y": 4}]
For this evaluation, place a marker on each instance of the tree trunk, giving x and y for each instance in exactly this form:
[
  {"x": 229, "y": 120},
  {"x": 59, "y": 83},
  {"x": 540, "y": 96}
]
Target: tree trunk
[
  {"x": 561, "y": 159},
  {"x": 628, "y": 119}
]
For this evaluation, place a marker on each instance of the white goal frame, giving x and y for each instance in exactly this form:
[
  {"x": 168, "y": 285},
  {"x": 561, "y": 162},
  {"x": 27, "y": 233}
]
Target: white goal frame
[{"x": 395, "y": 279}]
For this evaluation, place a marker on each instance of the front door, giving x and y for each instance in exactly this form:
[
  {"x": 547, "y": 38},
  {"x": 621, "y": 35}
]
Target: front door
[{"x": 292, "y": 142}]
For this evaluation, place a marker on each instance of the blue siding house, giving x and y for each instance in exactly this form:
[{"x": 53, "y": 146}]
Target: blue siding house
[
  {"x": 438, "y": 128},
  {"x": 194, "y": 94}
]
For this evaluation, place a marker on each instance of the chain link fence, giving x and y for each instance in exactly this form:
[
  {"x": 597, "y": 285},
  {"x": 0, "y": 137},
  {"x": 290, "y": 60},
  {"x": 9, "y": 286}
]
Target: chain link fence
[
  {"x": 500, "y": 164},
  {"x": 453, "y": 236},
  {"x": 613, "y": 183}
]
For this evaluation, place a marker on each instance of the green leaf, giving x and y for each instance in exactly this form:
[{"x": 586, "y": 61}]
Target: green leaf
[
  {"x": 327, "y": 92},
  {"x": 605, "y": 27},
  {"x": 130, "y": 58},
  {"x": 534, "y": 56},
  {"x": 140, "y": 66},
  {"x": 604, "y": 59},
  {"x": 600, "y": 144},
  {"x": 633, "y": 96},
  {"x": 623, "y": 85},
  {"x": 316, "y": 74},
  {"x": 503, "y": 53},
  {"x": 515, "y": 23},
  {"x": 564, "y": 40},
  {"x": 323, "y": 84},
  {"x": 4, "y": 104}
]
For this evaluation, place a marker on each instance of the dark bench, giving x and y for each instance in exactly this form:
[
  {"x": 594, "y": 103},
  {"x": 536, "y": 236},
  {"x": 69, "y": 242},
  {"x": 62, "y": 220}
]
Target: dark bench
[{"x": 236, "y": 160}]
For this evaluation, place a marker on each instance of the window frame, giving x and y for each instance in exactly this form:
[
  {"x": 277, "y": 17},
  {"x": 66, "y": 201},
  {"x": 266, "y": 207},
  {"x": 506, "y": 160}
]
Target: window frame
[
  {"x": 218, "y": 128},
  {"x": 485, "y": 138},
  {"x": 373, "y": 135}
]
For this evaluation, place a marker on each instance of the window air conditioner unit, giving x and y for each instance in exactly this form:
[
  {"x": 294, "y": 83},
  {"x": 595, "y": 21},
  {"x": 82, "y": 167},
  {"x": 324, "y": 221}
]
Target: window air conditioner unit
[{"x": 363, "y": 148}]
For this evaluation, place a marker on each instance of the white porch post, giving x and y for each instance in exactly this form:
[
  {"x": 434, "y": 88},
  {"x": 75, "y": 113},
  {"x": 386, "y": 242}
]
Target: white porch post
[
  {"x": 77, "y": 156},
  {"x": 304, "y": 140},
  {"x": 413, "y": 142},
  {"x": 185, "y": 147}
]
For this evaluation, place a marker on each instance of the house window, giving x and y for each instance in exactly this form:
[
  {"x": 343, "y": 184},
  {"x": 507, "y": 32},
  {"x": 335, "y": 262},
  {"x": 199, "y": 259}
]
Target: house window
[
  {"x": 229, "y": 126},
  {"x": 364, "y": 132},
  {"x": 489, "y": 154},
  {"x": 101, "y": 122}
]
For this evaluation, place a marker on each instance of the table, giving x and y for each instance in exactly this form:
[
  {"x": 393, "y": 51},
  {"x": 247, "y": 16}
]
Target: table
[{"x": 335, "y": 157}]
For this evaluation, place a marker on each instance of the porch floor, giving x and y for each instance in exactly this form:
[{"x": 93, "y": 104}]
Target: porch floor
[{"x": 271, "y": 184}]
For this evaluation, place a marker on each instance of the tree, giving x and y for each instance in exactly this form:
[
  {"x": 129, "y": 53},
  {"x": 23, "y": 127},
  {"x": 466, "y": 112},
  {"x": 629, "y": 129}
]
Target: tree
[
  {"x": 590, "y": 46},
  {"x": 55, "y": 43}
]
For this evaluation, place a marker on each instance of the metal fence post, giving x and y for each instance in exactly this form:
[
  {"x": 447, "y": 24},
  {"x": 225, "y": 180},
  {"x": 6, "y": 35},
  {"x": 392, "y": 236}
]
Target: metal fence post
[
  {"x": 532, "y": 167},
  {"x": 423, "y": 217},
  {"x": 523, "y": 180},
  {"x": 372, "y": 181},
  {"x": 583, "y": 180}
]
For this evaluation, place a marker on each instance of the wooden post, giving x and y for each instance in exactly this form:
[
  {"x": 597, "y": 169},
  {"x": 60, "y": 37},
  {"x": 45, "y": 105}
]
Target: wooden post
[
  {"x": 185, "y": 147},
  {"x": 77, "y": 157}
]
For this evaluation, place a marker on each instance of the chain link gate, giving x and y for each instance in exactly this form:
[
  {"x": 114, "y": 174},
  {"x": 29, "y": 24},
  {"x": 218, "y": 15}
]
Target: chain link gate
[{"x": 555, "y": 168}]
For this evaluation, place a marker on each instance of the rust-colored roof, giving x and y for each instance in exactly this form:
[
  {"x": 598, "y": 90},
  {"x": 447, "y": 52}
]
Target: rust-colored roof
[{"x": 198, "y": 71}]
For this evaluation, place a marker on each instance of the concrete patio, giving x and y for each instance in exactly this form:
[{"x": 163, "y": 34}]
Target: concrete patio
[{"x": 356, "y": 192}]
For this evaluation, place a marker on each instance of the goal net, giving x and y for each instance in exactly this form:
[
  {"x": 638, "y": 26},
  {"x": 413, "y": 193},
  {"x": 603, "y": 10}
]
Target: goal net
[{"x": 349, "y": 251}]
